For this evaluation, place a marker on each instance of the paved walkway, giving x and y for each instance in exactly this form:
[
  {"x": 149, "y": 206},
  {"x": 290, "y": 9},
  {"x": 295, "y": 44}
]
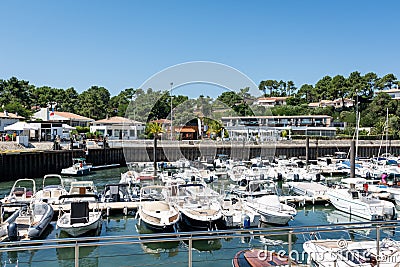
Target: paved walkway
[{"x": 35, "y": 146}]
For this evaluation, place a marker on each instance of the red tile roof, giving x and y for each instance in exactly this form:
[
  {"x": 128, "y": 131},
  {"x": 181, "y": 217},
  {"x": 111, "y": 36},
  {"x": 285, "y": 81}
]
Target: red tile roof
[{"x": 73, "y": 116}]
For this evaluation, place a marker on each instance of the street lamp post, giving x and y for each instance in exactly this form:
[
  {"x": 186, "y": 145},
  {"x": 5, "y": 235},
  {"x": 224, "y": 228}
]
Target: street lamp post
[{"x": 170, "y": 93}]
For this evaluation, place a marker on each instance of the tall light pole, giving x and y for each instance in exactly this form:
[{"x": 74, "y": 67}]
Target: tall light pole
[{"x": 170, "y": 93}]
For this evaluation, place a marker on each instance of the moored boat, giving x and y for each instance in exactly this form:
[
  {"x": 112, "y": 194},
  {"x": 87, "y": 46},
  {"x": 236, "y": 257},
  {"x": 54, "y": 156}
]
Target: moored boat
[
  {"x": 80, "y": 219},
  {"x": 361, "y": 203},
  {"x": 199, "y": 207},
  {"x": 22, "y": 192},
  {"x": 51, "y": 192},
  {"x": 159, "y": 214},
  {"x": 259, "y": 257},
  {"x": 79, "y": 167},
  {"x": 340, "y": 252},
  {"x": 30, "y": 222}
]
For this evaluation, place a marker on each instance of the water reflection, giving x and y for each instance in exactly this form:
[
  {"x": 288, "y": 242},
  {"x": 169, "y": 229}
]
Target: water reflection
[
  {"x": 88, "y": 256},
  {"x": 207, "y": 245}
]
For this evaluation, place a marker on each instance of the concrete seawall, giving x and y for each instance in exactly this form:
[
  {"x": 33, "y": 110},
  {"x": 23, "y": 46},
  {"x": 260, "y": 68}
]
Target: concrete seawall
[{"x": 36, "y": 164}]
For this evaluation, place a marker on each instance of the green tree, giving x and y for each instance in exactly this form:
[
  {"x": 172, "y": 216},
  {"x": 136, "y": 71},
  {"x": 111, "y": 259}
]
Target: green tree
[
  {"x": 94, "y": 102},
  {"x": 307, "y": 92},
  {"x": 339, "y": 88},
  {"x": 72, "y": 103},
  {"x": 323, "y": 88},
  {"x": 291, "y": 88},
  {"x": 387, "y": 81},
  {"x": 15, "y": 96}
]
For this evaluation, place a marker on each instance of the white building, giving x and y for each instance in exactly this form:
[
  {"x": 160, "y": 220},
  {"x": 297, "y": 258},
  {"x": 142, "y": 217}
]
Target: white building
[
  {"x": 45, "y": 114},
  {"x": 271, "y": 101},
  {"x": 7, "y": 118},
  {"x": 265, "y": 127},
  {"x": 394, "y": 93},
  {"x": 118, "y": 128},
  {"x": 57, "y": 123},
  {"x": 337, "y": 103}
]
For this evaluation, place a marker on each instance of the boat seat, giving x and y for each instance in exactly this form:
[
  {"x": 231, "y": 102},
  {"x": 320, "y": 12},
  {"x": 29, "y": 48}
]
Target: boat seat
[
  {"x": 79, "y": 212},
  {"x": 114, "y": 193},
  {"x": 46, "y": 194},
  {"x": 56, "y": 193}
]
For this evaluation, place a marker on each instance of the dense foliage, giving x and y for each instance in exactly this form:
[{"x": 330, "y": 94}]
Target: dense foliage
[{"x": 19, "y": 96}]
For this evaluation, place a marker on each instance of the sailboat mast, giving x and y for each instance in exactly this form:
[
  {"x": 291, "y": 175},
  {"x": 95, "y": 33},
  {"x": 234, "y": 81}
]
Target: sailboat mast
[
  {"x": 387, "y": 128},
  {"x": 358, "y": 125}
]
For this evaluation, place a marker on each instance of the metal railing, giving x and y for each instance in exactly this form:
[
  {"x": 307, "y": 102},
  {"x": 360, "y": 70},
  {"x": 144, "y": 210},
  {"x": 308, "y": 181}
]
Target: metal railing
[{"x": 190, "y": 237}]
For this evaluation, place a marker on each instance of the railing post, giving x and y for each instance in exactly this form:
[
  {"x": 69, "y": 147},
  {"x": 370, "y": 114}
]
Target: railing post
[
  {"x": 290, "y": 247},
  {"x": 190, "y": 252},
  {"x": 378, "y": 237},
  {"x": 76, "y": 254}
]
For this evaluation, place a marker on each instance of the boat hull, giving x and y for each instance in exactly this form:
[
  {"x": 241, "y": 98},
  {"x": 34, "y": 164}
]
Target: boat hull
[
  {"x": 271, "y": 217},
  {"x": 79, "y": 229},
  {"x": 157, "y": 223},
  {"x": 80, "y": 172},
  {"x": 359, "y": 208},
  {"x": 35, "y": 231},
  {"x": 202, "y": 225}
]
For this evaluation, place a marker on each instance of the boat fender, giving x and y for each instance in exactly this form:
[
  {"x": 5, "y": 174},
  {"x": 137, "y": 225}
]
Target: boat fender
[
  {"x": 12, "y": 230},
  {"x": 246, "y": 221}
]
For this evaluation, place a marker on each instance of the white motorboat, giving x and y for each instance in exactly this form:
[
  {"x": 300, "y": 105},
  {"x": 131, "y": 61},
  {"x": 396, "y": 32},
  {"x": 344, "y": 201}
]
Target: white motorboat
[
  {"x": 30, "y": 222},
  {"x": 311, "y": 189},
  {"x": 261, "y": 197},
  {"x": 51, "y": 192},
  {"x": 199, "y": 206},
  {"x": 22, "y": 192},
  {"x": 361, "y": 203},
  {"x": 159, "y": 215},
  {"x": 79, "y": 167},
  {"x": 80, "y": 219},
  {"x": 237, "y": 215},
  {"x": 343, "y": 253},
  {"x": 272, "y": 211},
  {"x": 255, "y": 188}
]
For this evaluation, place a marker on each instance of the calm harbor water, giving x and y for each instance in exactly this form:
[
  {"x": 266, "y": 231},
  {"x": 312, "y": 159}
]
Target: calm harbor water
[{"x": 205, "y": 252}]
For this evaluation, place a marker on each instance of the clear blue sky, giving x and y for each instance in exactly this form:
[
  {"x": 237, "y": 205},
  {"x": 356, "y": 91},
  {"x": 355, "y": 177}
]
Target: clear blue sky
[{"x": 120, "y": 44}]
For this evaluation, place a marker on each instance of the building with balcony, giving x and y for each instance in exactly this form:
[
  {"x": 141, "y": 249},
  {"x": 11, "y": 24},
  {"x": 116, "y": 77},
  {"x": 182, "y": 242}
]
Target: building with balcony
[{"x": 265, "y": 128}]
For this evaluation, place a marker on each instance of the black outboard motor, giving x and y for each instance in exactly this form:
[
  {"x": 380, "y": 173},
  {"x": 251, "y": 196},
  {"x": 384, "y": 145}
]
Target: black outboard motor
[
  {"x": 193, "y": 179},
  {"x": 279, "y": 176},
  {"x": 318, "y": 177},
  {"x": 12, "y": 230}
]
